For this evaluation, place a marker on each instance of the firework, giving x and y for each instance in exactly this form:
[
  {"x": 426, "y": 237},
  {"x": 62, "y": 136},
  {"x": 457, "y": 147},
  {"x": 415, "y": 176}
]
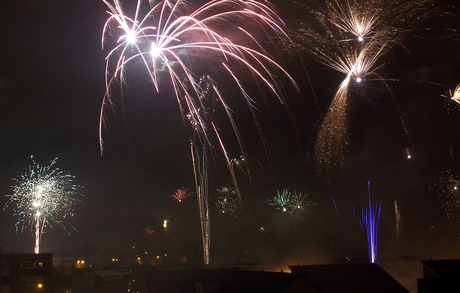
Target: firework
[
  {"x": 335, "y": 206},
  {"x": 361, "y": 21},
  {"x": 452, "y": 95},
  {"x": 298, "y": 202},
  {"x": 227, "y": 202},
  {"x": 290, "y": 202},
  {"x": 449, "y": 183},
  {"x": 351, "y": 36},
  {"x": 150, "y": 230},
  {"x": 281, "y": 200},
  {"x": 370, "y": 220},
  {"x": 455, "y": 95},
  {"x": 43, "y": 196},
  {"x": 181, "y": 193},
  {"x": 240, "y": 163}
]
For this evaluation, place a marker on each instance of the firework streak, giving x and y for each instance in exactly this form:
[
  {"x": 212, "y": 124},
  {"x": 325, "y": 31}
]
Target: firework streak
[{"x": 370, "y": 220}]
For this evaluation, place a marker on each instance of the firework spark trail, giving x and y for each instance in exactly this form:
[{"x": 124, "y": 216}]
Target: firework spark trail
[
  {"x": 333, "y": 132},
  {"x": 200, "y": 168},
  {"x": 370, "y": 220},
  {"x": 335, "y": 206},
  {"x": 43, "y": 196},
  {"x": 207, "y": 92},
  {"x": 351, "y": 36}
]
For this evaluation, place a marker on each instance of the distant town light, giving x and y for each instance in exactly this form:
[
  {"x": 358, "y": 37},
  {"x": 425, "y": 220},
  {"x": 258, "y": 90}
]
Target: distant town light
[{"x": 80, "y": 263}]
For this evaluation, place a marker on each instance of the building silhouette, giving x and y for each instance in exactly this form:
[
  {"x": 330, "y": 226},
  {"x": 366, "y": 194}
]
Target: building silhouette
[
  {"x": 440, "y": 276},
  {"x": 26, "y": 273}
]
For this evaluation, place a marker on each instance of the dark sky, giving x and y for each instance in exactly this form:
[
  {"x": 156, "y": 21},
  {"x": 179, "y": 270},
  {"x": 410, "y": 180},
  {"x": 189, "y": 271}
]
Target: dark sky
[{"x": 51, "y": 89}]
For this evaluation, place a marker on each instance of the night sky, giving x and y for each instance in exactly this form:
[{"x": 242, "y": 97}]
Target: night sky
[{"x": 51, "y": 88}]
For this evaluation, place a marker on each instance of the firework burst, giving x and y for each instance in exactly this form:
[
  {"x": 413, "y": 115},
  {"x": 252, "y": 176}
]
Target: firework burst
[
  {"x": 398, "y": 220},
  {"x": 173, "y": 37},
  {"x": 181, "y": 193},
  {"x": 360, "y": 21},
  {"x": 449, "y": 184},
  {"x": 351, "y": 36},
  {"x": 43, "y": 196},
  {"x": 227, "y": 202},
  {"x": 281, "y": 200},
  {"x": 298, "y": 203},
  {"x": 290, "y": 202}
]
